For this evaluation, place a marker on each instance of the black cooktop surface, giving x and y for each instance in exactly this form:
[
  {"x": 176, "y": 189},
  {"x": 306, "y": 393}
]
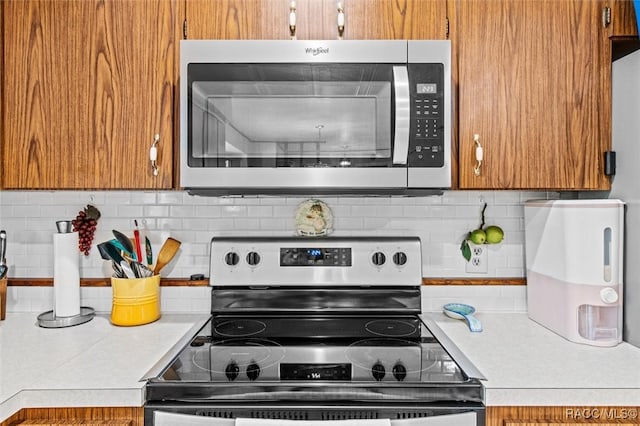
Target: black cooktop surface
[
  {"x": 280, "y": 348},
  {"x": 318, "y": 327}
]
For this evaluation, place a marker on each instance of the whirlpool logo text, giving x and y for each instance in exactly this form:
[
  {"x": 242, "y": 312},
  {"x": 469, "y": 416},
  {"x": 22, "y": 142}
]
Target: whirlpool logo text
[{"x": 315, "y": 51}]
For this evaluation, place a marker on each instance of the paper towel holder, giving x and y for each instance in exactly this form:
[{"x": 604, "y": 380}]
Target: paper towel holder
[{"x": 48, "y": 320}]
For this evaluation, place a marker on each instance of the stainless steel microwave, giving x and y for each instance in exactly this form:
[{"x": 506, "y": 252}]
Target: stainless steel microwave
[{"x": 315, "y": 117}]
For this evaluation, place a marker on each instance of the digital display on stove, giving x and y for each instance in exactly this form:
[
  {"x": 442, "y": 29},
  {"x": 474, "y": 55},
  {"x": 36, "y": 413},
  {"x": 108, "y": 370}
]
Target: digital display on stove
[
  {"x": 315, "y": 253},
  {"x": 315, "y": 371},
  {"x": 314, "y": 256}
]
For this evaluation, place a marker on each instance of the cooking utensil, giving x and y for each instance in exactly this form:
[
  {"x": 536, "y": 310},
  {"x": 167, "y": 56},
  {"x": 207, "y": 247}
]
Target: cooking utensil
[
  {"x": 103, "y": 251},
  {"x": 140, "y": 270},
  {"x": 128, "y": 271},
  {"x": 3, "y": 247},
  {"x": 112, "y": 252},
  {"x": 135, "y": 268},
  {"x": 465, "y": 312},
  {"x": 122, "y": 248},
  {"x": 148, "y": 251},
  {"x": 136, "y": 236},
  {"x": 117, "y": 270},
  {"x": 143, "y": 270},
  {"x": 166, "y": 254},
  {"x": 3, "y": 251},
  {"x": 125, "y": 241}
]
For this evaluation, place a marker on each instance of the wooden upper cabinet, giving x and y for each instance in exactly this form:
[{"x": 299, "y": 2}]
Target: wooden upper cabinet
[
  {"x": 534, "y": 84},
  {"x": 315, "y": 19},
  {"x": 622, "y": 18},
  {"x": 237, "y": 19},
  {"x": 394, "y": 20},
  {"x": 87, "y": 85}
]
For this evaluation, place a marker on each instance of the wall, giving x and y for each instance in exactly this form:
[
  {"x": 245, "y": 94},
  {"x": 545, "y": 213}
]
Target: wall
[{"x": 440, "y": 221}]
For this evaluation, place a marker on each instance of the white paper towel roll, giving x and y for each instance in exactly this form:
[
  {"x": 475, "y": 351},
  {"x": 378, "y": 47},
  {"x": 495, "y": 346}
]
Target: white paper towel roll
[{"x": 66, "y": 275}]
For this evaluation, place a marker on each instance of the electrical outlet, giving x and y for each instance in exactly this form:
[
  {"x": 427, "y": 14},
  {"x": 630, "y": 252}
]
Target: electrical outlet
[{"x": 478, "y": 264}]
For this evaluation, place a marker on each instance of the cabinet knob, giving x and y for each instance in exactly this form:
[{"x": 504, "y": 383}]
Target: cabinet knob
[
  {"x": 479, "y": 155},
  {"x": 340, "y": 20},
  {"x": 292, "y": 19},
  {"x": 153, "y": 154}
]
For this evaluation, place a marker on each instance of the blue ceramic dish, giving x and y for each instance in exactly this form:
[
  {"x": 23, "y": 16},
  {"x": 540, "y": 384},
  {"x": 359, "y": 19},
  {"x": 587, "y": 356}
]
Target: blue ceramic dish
[{"x": 465, "y": 312}]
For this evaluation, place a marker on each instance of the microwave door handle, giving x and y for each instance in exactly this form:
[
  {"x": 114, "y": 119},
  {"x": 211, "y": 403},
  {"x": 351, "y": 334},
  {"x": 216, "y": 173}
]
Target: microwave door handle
[{"x": 401, "y": 134}]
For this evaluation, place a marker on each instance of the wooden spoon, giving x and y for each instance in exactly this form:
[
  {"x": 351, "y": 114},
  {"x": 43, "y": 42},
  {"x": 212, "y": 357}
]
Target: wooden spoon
[{"x": 166, "y": 254}]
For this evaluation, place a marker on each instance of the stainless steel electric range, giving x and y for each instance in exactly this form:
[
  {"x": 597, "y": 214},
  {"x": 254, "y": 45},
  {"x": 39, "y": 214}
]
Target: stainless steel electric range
[{"x": 317, "y": 329}]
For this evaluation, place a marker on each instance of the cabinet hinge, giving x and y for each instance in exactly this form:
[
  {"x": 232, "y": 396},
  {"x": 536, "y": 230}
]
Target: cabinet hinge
[
  {"x": 610, "y": 163},
  {"x": 446, "y": 28},
  {"x": 606, "y": 16},
  {"x": 184, "y": 29}
]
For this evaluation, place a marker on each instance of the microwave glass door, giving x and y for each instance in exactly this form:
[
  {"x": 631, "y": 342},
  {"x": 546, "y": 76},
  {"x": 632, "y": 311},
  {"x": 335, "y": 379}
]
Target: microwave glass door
[{"x": 290, "y": 115}]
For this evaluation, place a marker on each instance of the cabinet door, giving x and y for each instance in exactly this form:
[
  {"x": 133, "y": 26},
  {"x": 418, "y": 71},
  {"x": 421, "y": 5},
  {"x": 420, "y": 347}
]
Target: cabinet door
[
  {"x": 238, "y": 19},
  {"x": 87, "y": 416},
  {"x": 392, "y": 20},
  {"x": 534, "y": 84},
  {"x": 561, "y": 415},
  {"x": 316, "y": 19},
  {"x": 87, "y": 85},
  {"x": 623, "y": 18}
]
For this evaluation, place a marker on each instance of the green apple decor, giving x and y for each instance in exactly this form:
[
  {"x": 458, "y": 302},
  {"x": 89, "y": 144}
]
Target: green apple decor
[{"x": 482, "y": 235}]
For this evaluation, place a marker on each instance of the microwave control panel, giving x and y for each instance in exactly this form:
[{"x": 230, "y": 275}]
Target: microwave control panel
[{"x": 426, "y": 137}]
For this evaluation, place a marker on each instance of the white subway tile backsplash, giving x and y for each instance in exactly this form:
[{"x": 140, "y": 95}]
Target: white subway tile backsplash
[
  {"x": 483, "y": 298},
  {"x": 246, "y": 224},
  {"x": 127, "y": 210},
  {"x": 272, "y": 224},
  {"x": 440, "y": 221},
  {"x": 173, "y": 223},
  {"x": 234, "y": 211},
  {"x": 167, "y": 198},
  {"x": 150, "y": 210},
  {"x": 27, "y": 211}
]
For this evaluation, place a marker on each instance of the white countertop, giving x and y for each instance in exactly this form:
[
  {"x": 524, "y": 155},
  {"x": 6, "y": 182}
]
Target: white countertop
[
  {"x": 89, "y": 365},
  {"x": 98, "y": 364},
  {"x": 527, "y": 364}
]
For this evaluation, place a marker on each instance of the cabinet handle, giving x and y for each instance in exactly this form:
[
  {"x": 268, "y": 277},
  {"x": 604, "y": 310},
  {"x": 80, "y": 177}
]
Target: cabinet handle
[
  {"x": 292, "y": 20},
  {"x": 479, "y": 155},
  {"x": 153, "y": 155},
  {"x": 606, "y": 16},
  {"x": 340, "y": 20}
]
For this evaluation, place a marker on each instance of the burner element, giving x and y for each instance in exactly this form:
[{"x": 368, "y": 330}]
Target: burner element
[
  {"x": 390, "y": 328},
  {"x": 240, "y": 328}
]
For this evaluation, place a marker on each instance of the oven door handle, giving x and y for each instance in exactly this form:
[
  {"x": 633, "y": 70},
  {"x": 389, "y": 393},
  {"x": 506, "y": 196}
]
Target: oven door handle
[{"x": 402, "y": 107}]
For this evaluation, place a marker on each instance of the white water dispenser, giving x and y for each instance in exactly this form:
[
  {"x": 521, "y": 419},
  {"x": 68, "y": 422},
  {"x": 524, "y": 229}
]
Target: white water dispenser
[{"x": 574, "y": 261}]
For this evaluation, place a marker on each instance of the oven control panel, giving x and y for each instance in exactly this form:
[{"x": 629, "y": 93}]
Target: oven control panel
[
  {"x": 315, "y": 256},
  {"x": 331, "y": 261},
  {"x": 256, "y": 363}
]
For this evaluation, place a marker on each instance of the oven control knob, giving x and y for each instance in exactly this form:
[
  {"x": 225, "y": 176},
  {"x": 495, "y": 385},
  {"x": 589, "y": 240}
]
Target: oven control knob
[
  {"x": 378, "y": 371},
  {"x": 231, "y": 371},
  {"x": 378, "y": 258},
  {"x": 400, "y": 258},
  {"x": 253, "y": 258},
  {"x": 253, "y": 371},
  {"x": 231, "y": 258},
  {"x": 399, "y": 372}
]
